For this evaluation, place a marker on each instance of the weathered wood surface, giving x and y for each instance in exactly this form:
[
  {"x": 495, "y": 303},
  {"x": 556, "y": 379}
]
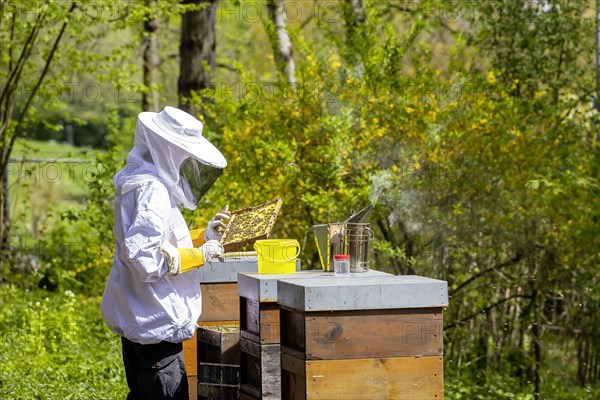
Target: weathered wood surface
[
  {"x": 209, "y": 391},
  {"x": 218, "y": 381},
  {"x": 293, "y": 377},
  {"x": 192, "y": 387},
  {"x": 190, "y": 356},
  {"x": 260, "y": 374},
  {"x": 259, "y": 322},
  {"x": 218, "y": 346},
  {"x": 403, "y": 378},
  {"x": 362, "y": 334},
  {"x": 220, "y": 302},
  {"x": 248, "y": 396},
  {"x": 225, "y": 374}
]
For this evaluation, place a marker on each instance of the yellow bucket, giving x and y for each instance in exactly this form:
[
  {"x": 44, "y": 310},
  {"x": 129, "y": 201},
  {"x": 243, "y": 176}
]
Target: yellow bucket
[{"x": 277, "y": 256}]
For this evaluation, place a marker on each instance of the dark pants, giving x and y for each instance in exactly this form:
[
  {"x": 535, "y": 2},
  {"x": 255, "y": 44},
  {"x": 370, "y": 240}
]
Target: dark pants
[{"x": 155, "y": 371}]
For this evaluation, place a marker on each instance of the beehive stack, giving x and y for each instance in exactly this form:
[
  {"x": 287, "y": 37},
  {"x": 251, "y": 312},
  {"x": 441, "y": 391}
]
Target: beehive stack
[
  {"x": 220, "y": 295},
  {"x": 260, "y": 373},
  {"x": 260, "y": 329},
  {"x": 220, "y": 307},
  {"x": 358, "y": 338}
]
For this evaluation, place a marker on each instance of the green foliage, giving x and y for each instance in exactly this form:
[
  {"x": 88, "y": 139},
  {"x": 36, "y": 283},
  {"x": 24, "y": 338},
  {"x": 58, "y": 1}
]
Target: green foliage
[
  {"x": 55, "y": 345},
  {"x": 87, "y": 266},
  {"x": 475, "y": 139},
  {"x": 475, "y": 386},
  {"x": 290, "y": 147},
  {"x": 70, "y": 245},
  {"x": 492, "y": 190},
  {"x": 485, "y": 174},
  {"x": 39, "y": 192}
]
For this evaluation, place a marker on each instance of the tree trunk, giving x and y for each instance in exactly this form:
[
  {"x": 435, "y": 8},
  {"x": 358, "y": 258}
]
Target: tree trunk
[
  {"x": 69, "y": 133},
  {"x": 280, "y": 40},
  {"x": 197, "y": 51},
  {"x": 150, "y": 96}
]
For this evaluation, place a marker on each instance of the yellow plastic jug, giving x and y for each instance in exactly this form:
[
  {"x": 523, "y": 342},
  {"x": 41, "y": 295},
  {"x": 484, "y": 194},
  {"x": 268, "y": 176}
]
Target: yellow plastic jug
[{"x": 277, "y": 256}]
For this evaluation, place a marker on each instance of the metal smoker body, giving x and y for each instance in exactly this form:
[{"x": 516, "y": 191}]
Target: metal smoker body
[{"x": 344, "y": 238}]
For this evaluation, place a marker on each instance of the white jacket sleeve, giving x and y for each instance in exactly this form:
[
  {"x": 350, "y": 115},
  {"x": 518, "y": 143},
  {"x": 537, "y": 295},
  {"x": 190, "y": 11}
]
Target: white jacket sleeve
[{"x": 146, "y": 230}]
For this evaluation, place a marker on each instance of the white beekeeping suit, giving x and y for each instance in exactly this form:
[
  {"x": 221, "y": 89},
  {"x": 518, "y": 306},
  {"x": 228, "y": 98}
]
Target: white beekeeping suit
[{"x": 147, "y": 297}]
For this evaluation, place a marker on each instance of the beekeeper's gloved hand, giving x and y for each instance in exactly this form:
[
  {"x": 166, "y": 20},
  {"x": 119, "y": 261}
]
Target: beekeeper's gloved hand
[
  {"x": 181, "y": 260},
  {"x": 212, "y": 250},
  {"x": 218, "y": 224}
]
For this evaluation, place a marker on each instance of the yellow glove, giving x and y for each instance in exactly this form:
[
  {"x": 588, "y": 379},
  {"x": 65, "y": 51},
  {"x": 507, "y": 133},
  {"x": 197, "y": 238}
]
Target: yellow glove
[
  {"x": 189, "y": 259},
  {"x": 186, "y": 259},
  {"x": 197, "y": 236}
]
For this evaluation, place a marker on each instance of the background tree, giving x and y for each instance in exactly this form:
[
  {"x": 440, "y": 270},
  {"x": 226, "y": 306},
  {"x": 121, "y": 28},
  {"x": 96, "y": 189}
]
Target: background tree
[
  {"x": 20, "y": 40},
  {"x": 280, "y": 41},
  {"x": 151, "y": 59},
  {"x": 196, "y": 50}
]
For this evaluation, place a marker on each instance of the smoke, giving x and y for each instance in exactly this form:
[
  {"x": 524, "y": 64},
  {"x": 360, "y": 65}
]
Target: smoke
[{"x": 404, "y": 203}]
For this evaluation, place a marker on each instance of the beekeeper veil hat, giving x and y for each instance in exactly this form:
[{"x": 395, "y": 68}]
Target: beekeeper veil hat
[{"x": 187, "y": 162}]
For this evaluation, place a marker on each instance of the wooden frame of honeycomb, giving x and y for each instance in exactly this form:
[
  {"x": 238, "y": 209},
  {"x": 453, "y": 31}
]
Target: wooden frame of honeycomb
[{"x": 250, "y": 224}]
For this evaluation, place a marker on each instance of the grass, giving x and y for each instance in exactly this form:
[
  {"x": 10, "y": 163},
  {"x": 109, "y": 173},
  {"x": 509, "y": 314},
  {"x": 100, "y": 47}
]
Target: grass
[
  {"x": 66, "y": 178},
  {"x": 53, "y": 345},
  {"x": 49, "y": 149},
  {"x": 39, "y": 192},
  {"x": 56, "y": 346}
]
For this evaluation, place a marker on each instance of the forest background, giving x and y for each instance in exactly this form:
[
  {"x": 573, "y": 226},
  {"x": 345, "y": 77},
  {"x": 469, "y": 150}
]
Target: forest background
[{"x": 471, "y": 125}]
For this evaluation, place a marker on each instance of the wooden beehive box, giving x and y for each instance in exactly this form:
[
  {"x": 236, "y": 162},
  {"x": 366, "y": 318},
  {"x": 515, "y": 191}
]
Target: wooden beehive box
[
  {"x": 218, "y": 382},
  {"x": 219, "y": 361},
  {"x": 260, "y": 370},
  {"x": 362, "y": 337},
  {"x": 259, "y": 311},
  {"x": 259, "y": 322},
  {"x": 219, "y": 343},
  {"x": 260, "y": 331},
  {"x": 219, "y": 286}
]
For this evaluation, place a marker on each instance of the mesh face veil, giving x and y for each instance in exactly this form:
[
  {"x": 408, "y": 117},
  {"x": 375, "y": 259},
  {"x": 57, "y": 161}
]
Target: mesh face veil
[
  {"x": 198, "y": 178},
  {"x": 187, "y": 163}
]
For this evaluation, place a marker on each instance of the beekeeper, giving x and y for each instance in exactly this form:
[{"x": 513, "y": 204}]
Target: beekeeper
[{"x": 152, "y": 297}]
